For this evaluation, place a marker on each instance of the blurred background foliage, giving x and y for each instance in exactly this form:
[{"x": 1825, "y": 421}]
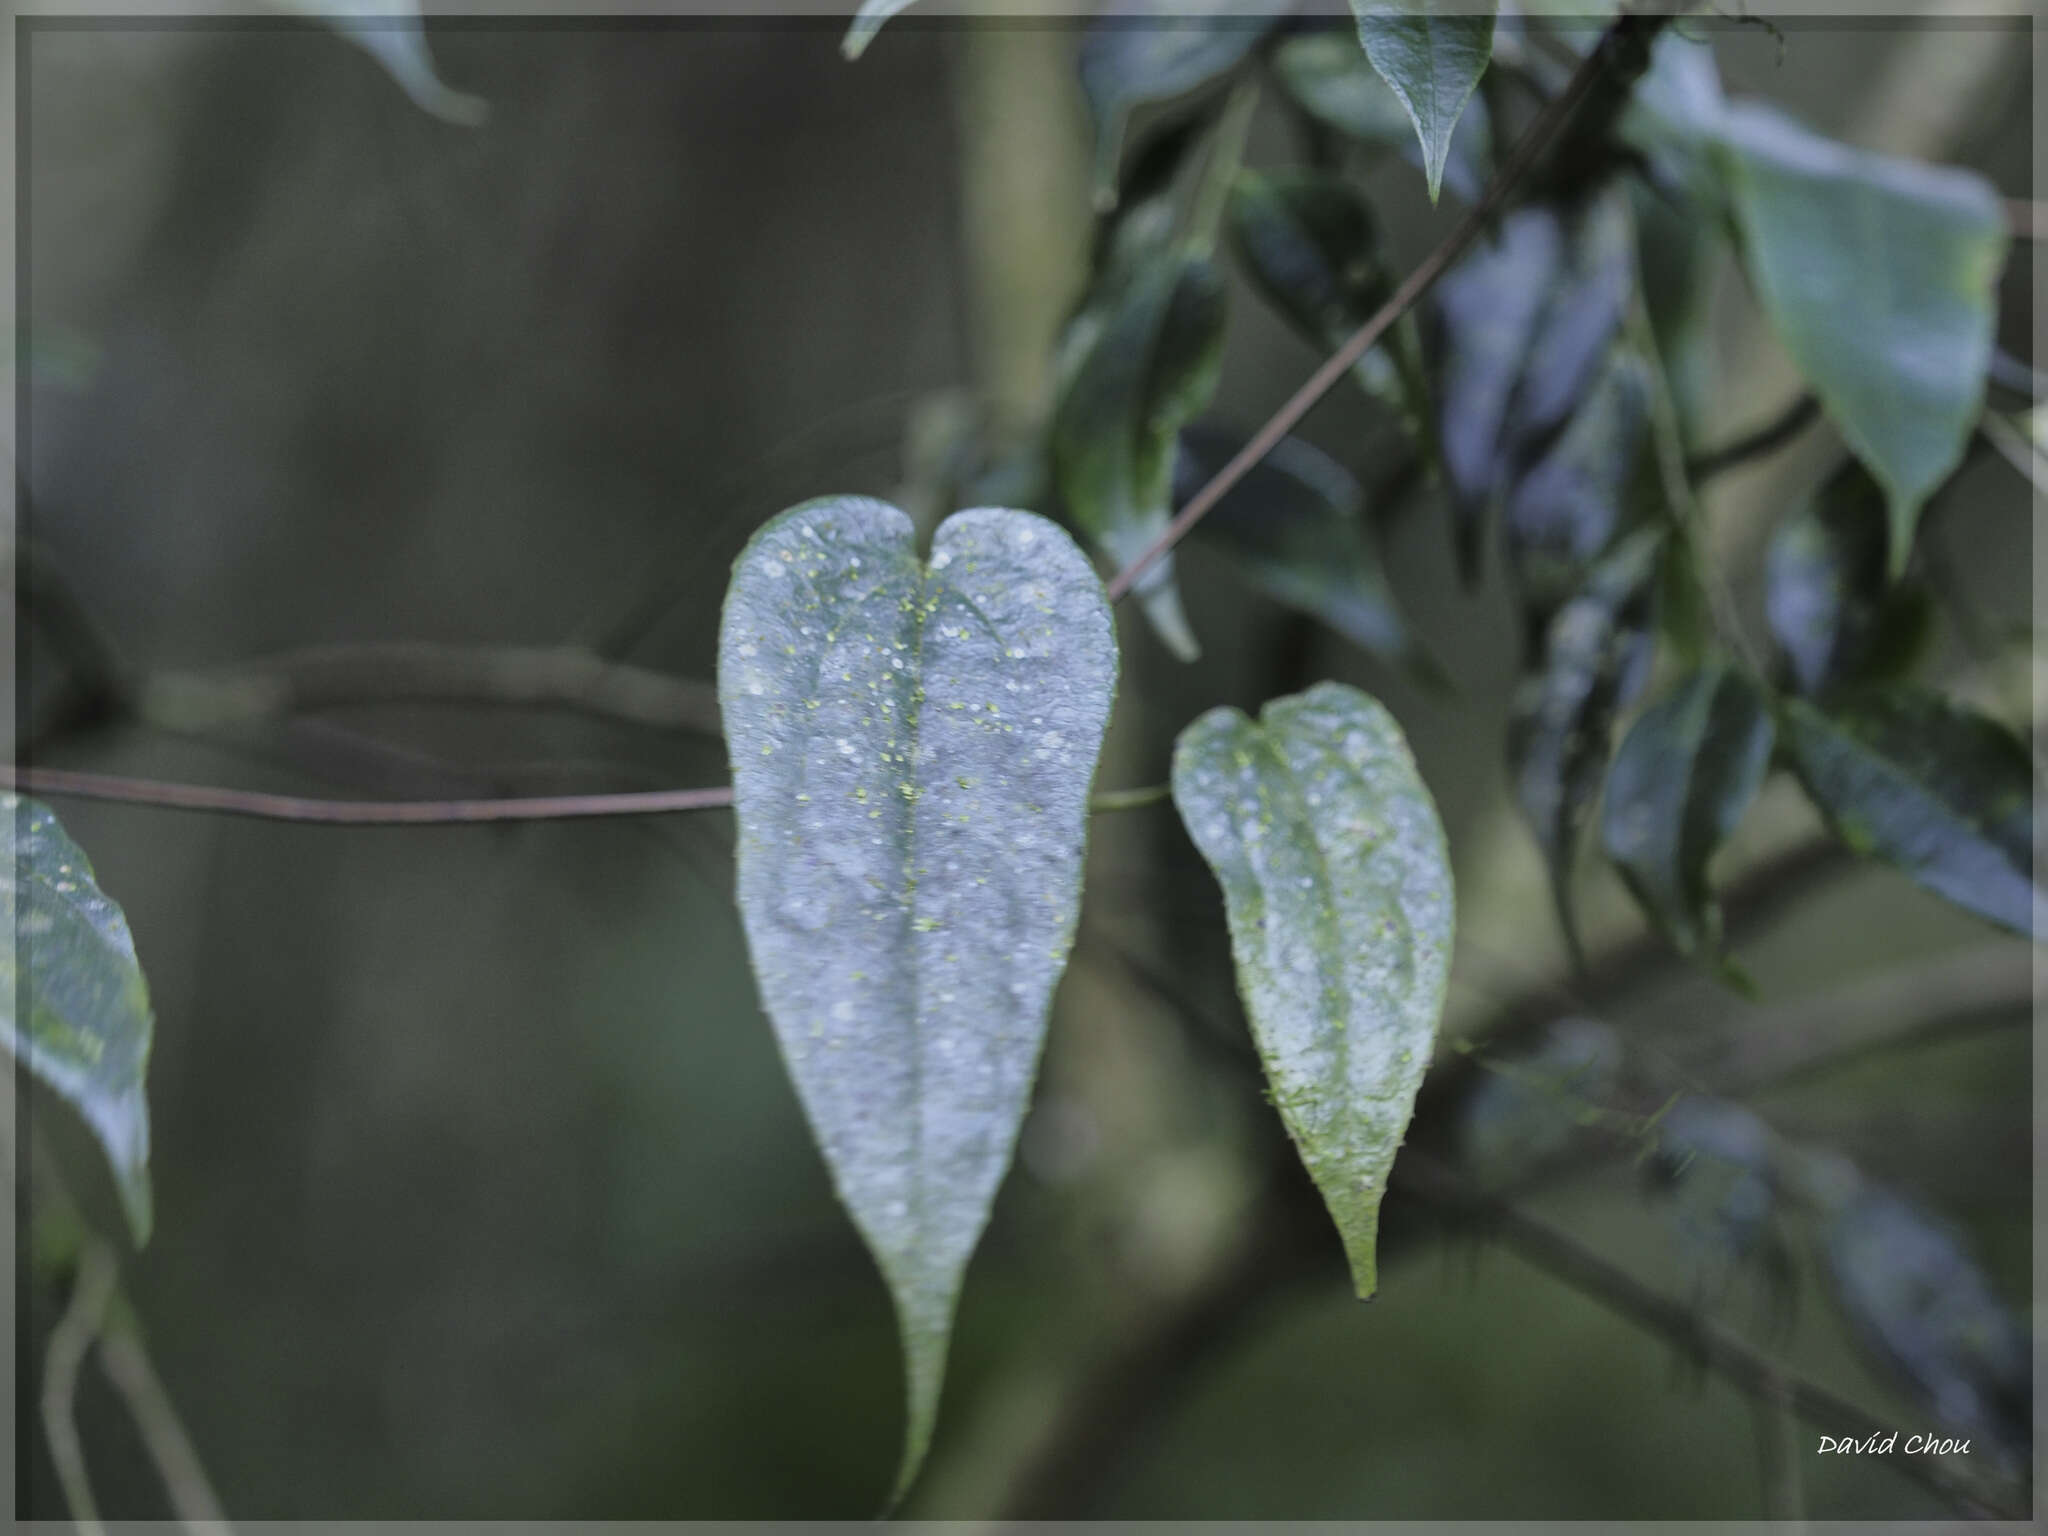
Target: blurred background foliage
[{"x": 480, "y": 1188}]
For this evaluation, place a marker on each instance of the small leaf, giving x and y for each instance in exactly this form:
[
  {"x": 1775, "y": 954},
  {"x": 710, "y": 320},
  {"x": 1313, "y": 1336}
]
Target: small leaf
[
  {"x": 872, "y": 16},
  {"x": 1337, "y": 886},
  {"x": 391, "y": 32},
  {"x": 1686, "y": 771},
  {"x": 83, "y": 1026},
  {"x": 1328, "y": 77},
  {"x": 1147, "y": 360},
  {"x": 1432, "y": 57},
  {"x": 1140, "y": 52},
  {"x": 1830, "y": 607},
  {"x": 1880, "y": 277},
  {"x": 1294, "y": 528},
  {"x": 912, "y": 748},
  {"x": 1306, "y": 240},
  {"x": 1936, "y": 789},
  {"x": 1596, "y": 653}
]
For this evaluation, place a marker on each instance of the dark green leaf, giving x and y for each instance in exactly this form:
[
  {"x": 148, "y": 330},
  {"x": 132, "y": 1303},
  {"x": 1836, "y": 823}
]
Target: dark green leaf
[
  {"x": 1880, "y": 277},
  {"x": 1337, "y": 885},
  {"x": 1140, "y": 52},
  {"x": 1294, "y": 528},
  {"x": 1686, "y": 771},
  {"x": 1834, "y": 614},
  {"x": 392, "y": 35},
  {"x": 1672, "y": 116},
  {"x": 1139, "y": 366},
  {"x": 1596, "y": 652},
  {"x": 912, "y": 748},
  {"x": 73, "y": 1004},
  {"x": 1432, "y": 55},
  {"x": 1581, "y": 314},
  {"x": 867, "y": 21},
  {"x": 1328, "y": 77},
  {"x": 1936, "y": 789}
]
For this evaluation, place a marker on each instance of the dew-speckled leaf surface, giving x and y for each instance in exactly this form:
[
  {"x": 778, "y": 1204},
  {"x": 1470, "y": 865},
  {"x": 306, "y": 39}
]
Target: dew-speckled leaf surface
[
  {"x": 1432, "y": 54},
  {"x": 73, "y": 1004},
  {"x": 1337, "y": 886},
  {"x": 1880, "y": 276},
  {"x": 1934, "y": 788},
  {"x": 1328, "y": 76},
  {"x": 1686, "y": 771},
  {"x": 1147, "y": 359},
  {"x": 912, "y": 750},
  {"x": 872, "y": 16}
]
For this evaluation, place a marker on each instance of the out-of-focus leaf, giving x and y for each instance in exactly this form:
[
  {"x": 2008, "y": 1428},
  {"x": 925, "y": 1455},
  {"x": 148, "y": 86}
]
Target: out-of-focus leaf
[
  {"x": 912, "y": 748},
  {"x": 1524, "y": 1110},
  {"x": 1940, "y": 791},
  {"x": 1918, "y": 1302},
  {"x": 1568, "y": 506},
  {"x": 1834, "y": 614},
  {"x": 1879, "y": 276},
  {"x": 1141, "y": 52},
  {"x": 1596, "y": 653},
  {"x": 1306, "y": 239},
  {"x": 1581, "y": 315},
  {"x": 390, "y": 31},
  {"x": 1686, "y": 771},
  {"x": 867, "y": 21},
  {"x": 1679, "y": 255},
  {"x": 1673, "y": 115},
  {"x": 1720, "y": 1160},
  {"x": 1150, "y": 362},
  {"x": 1327, "y": 76},
  {"x": 1294, "y": 528},
  {"x": 1432, "y": 55},
  {"x": 73, "y": 1004},
  {"x": 1337, "y": 886}
]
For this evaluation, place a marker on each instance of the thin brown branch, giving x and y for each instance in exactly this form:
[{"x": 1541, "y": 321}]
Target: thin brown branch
[
  {"x": 1527, "y": 151},
  {"x": 1794, "y": 419}
]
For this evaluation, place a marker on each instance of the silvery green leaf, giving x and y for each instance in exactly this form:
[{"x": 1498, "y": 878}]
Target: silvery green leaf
[
  {"x": 1432, "y": 54},
  {"x": 1337, "y": 887},
  {"x": 390, "y": 31},
  {"x": 73, "y": 1004},
  {"x": 912, "y": 748}
]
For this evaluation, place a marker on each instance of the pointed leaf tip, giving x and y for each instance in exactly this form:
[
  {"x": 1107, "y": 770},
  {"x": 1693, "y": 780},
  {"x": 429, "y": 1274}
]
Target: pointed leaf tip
[
  {"x": 1432, "y": 58},
  {"x": 912, "y": 749}
]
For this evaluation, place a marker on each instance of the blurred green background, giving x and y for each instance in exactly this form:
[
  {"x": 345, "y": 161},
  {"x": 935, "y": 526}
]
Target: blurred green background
[{"x": 480, "y": 1190}]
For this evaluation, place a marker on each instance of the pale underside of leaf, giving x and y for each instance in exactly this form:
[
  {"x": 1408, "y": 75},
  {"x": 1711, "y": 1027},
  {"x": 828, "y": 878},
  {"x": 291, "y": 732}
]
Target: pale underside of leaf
[
  {"x": 912, "y": 750},
  {"x": 1433, "y": 59},
  {"x": 1337, "y": 886},
  {"x": 73, "y": 1003},
  {"x": 872, "y": 16}
]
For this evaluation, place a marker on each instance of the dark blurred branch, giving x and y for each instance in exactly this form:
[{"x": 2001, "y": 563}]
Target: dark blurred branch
[
  {"x": 1772, "y": 435},
  {"x": 1613, "y": 65}
]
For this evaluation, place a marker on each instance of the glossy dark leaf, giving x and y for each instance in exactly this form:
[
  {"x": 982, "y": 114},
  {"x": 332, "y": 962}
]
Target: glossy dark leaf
[
  {"x": 1879, "y": 276},
  {"x": 1337, "y": 886},
  {"x": 1328, "y": 76},
  {"x": 1432, "y": 54},
  {"x": 1147, "y": 362},
  {"x": 1686, "y": 771},
  {"x": 73, "y": 1005},
  {"x": 1294, "y": 528},
  {"x": 1596, "y": 653},
  {"x": 1940, "y": 791},
  {"x": 912, "y": 748},
  {"x": 1141, "y": 52},
  {"x": 1835, "y": 616}
]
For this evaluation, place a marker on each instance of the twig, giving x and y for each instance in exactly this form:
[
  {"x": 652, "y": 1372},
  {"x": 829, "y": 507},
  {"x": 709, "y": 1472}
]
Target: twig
[
  {"x": 2016, "y": 448},
  {"x": 1794, "y": 419},
  {"x": 127, "y": 1366},
  {"x": 69, "y": 1340},
  {"x": 1526, "y": 152},
  {"x": 262, "y": 806}
]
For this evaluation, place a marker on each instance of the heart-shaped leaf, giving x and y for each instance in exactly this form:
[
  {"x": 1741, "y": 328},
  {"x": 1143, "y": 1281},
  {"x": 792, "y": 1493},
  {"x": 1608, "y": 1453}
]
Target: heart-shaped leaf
[
  {"x": 1294, "y": 528},
  {"x": 1940, "y": 791},
  {"x": 1833, "y": 612},
  {"x": 1596, "y": 653},
  {"x": 1141, "y": 362},
  {"x": 1432, "y": 55},
  {"x": 872, "y": 16},
  {"x": 1328, "y": 77},
  {"x": 1686, "y": 771},
  {"x": 912, "y": 748},
  {"x": 1337, "y": 886},
  {"x": 1140, "y": 52},
  {"x": 1879, "y": 276},
  {"x": 73, "y": 1004}
]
